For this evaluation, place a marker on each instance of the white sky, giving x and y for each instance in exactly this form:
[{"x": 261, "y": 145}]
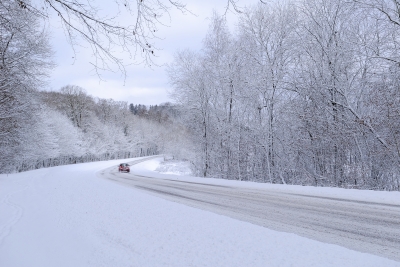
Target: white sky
[{"x": 143, "y": 85}]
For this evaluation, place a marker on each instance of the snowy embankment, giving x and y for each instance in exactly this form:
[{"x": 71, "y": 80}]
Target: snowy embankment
[
  {"x": 68, "y": 216},
  {"x": 159, "y": 168}
]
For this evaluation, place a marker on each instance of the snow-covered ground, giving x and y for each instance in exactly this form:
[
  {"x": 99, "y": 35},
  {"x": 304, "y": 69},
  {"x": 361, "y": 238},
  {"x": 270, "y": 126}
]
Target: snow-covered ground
[
  {"x": 175, "y": 167},
  {"x": 68, "y": 216}
]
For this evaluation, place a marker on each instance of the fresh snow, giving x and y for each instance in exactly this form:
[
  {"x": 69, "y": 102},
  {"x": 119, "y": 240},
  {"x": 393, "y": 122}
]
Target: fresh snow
[
  {"x": 175, "y": 167},
  {"x": 69, "y": 216}
]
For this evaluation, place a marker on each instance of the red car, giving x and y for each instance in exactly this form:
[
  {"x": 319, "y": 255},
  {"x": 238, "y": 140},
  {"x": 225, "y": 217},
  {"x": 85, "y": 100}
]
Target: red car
[{"x": 124, "y": 167}]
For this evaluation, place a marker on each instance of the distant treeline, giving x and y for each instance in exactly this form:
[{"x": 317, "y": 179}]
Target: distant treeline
[{"x": 70, "y": 126}]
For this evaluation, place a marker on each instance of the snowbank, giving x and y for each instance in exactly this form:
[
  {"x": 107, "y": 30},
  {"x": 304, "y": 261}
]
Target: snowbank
[{"x": 351, "y": 194}]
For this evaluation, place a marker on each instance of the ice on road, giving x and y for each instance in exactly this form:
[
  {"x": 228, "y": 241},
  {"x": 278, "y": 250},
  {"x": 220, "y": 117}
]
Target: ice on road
[{"x": 69, "y": 216}]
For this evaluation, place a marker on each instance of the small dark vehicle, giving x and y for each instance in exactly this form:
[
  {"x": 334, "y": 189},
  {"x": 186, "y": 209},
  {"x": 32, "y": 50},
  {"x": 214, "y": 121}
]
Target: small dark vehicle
[{"x": 124, "y": 167}]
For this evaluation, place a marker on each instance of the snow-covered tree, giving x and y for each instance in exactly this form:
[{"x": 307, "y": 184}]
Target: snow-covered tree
[{"x": 24, "y": 59}]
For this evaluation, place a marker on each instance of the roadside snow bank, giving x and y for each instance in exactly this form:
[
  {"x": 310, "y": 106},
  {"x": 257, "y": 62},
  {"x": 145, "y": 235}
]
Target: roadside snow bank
[
  {"x": 351, "y": 194},
  {"x": 175, "y": 167},
  {"x": 158, "y": 165}
]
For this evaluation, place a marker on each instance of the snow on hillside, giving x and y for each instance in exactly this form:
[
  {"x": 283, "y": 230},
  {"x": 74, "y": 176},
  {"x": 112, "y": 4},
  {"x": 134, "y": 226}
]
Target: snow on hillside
[{"x": 69, "y": 216}]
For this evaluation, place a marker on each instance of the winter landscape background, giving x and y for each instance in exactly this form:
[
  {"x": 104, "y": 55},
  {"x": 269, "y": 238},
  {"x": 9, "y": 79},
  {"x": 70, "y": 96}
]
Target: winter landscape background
[
  {"x": 278, "y": 145},
  {"x": 300, "y": 92}
]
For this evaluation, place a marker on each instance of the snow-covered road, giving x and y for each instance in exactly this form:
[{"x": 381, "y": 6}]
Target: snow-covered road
[
  {"x": 365, "y": 226},
  {"x": 68, "y": 216}
]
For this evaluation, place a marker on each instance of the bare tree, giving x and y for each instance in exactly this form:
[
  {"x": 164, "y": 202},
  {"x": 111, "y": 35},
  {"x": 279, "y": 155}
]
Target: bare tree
[
  {"x": 191, "y": 91},
  {"x": 106, "y": 34},
  {"x": 269, "y": 34},
  {"x": 127, "y": 27}
]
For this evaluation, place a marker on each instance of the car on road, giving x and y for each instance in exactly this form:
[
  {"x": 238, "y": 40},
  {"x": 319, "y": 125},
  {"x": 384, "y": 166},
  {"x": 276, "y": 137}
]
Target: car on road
[{"x": 124, "y": 167}]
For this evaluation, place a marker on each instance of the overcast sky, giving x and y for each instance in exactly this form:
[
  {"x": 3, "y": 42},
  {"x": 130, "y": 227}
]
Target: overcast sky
[{"x": 143, "y": 85}]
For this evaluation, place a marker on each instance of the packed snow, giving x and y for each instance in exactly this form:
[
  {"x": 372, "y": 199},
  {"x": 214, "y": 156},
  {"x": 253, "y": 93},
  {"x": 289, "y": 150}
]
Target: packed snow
[{"x": 69, "y": 216}]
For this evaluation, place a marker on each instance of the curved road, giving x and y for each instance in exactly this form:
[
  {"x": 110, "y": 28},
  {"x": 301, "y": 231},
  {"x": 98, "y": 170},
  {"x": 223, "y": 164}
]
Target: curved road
[{"x": 363, "y": 226}]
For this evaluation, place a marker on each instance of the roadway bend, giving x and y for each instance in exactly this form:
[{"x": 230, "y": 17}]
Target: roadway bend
[{"x": 363, "y": 226}]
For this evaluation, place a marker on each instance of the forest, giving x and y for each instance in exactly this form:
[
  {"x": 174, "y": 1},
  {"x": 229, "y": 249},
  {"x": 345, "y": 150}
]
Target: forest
[{"x": 299, "y": 92}]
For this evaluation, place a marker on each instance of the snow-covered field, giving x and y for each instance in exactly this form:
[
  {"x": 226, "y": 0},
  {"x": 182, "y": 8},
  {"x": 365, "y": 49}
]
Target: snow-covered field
[{"x": 69, "y": 216}]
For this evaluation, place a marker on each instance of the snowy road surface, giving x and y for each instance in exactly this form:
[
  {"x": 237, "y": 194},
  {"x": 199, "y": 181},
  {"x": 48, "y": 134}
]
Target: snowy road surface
[
  {"x": 359, "y": 225},
  {"x": 68, "y": 216}
]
